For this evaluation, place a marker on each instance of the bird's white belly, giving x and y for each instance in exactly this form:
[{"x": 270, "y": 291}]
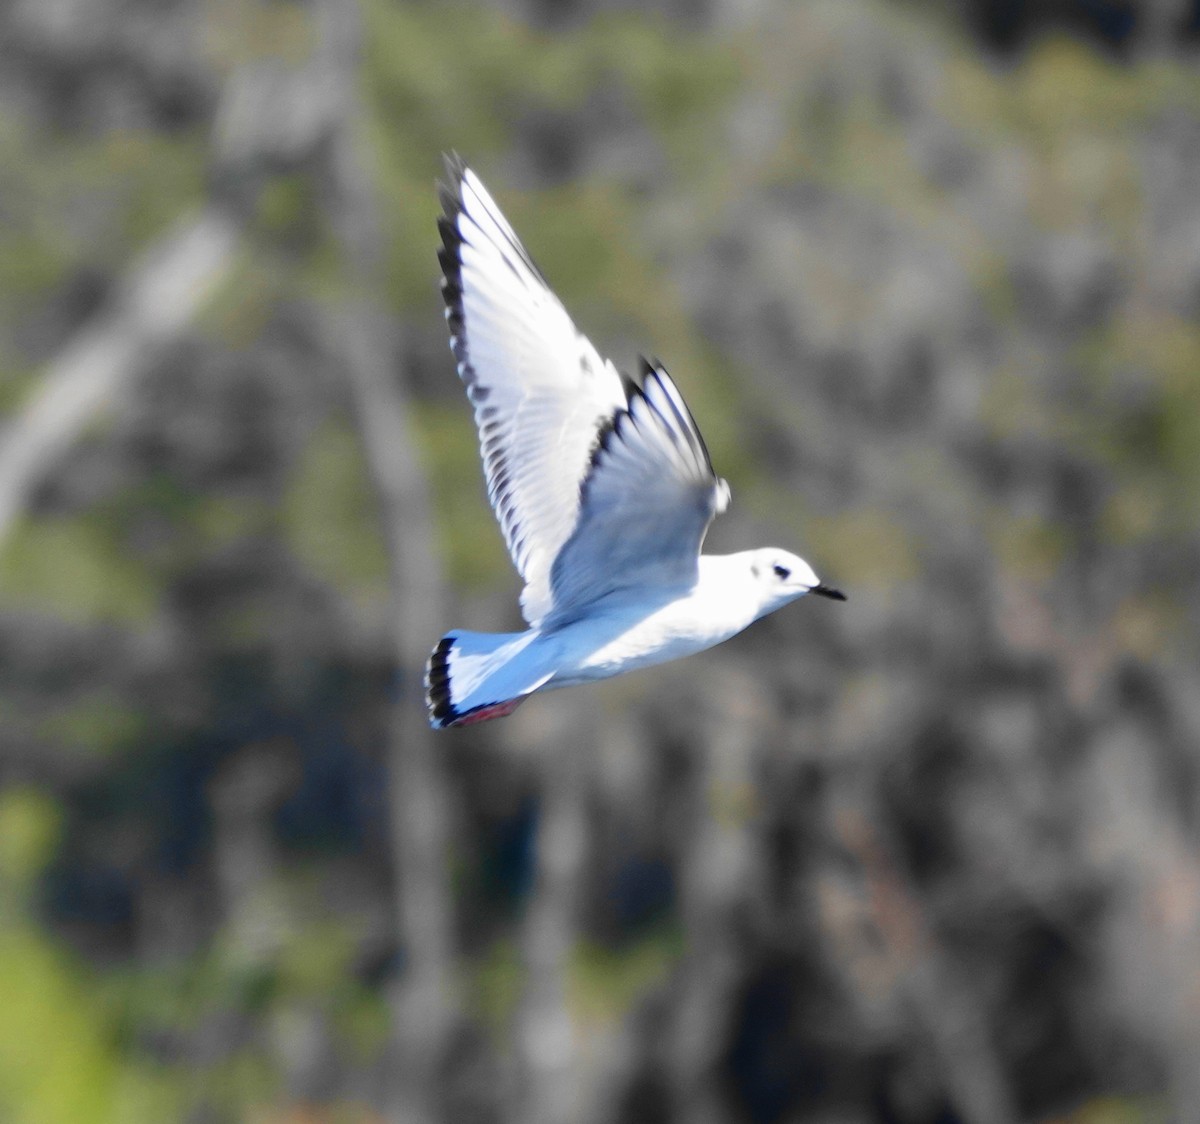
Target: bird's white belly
[{"x": 624, "y": 639}]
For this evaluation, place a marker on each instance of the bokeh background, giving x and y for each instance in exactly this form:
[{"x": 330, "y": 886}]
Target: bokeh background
[{"x": 929, "y": 276}]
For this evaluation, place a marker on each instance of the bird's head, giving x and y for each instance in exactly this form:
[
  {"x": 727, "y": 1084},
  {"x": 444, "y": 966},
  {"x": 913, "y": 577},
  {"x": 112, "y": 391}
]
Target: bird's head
[{"x": 783, "y": 577}]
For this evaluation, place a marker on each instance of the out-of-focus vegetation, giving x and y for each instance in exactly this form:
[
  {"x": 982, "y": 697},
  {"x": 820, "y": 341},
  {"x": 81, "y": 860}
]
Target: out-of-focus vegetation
[{"x": 931, "y": 286}]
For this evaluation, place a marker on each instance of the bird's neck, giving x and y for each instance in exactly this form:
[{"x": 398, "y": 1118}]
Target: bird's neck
[{"x": 725, "y": 585}]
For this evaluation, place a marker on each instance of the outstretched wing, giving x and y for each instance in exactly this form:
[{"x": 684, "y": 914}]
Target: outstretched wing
[
  {"x": 540, "y": 390},
  {"x": 647, "y": 501}
]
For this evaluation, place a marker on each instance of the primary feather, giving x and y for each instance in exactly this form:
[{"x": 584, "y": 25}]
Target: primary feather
[{"x": 540, "y": 390}]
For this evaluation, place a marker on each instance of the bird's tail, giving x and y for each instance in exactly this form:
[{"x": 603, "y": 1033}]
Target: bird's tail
[{"x": 474, "y": 676}]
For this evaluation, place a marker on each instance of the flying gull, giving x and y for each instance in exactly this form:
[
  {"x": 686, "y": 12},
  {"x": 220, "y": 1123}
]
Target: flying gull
[{"x": 602, "y": 486}]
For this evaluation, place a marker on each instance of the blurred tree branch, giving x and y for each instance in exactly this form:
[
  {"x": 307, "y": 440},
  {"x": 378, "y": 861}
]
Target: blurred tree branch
[
  {"x": 721, "y": 873},
  {"x": 159, "y": 296},
  {"x": 546, "y": 1035},
  {"x": 424, "y": 1013},
  {"x": 932, "y": 992}
]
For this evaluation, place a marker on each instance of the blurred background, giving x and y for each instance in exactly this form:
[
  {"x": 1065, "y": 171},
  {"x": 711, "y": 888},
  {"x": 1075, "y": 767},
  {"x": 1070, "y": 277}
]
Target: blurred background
[{"x": 929, "y": 276}]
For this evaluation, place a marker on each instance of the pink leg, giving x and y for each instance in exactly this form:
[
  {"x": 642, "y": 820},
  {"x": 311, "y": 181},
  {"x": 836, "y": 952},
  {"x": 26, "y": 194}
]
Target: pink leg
[{"x": 488, "y": 712}]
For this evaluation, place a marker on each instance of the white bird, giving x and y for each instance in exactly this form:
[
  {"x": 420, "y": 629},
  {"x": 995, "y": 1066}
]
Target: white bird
[{"x": 603, "y": 488}]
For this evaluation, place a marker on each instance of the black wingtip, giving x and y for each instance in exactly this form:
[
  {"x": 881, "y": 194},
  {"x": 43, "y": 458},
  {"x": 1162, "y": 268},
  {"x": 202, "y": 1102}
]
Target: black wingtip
[
  {"x": 450, "y": 196},
  {"x": 655, "y": 368},
  {"x": 450, "y": 190},
  {"x": 450, "y": 254}
]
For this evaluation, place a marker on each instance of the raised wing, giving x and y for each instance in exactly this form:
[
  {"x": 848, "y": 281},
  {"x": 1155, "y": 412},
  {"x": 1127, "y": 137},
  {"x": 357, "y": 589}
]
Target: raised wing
[
  {"x": 647, "y": 502},
  {"x": 540, "y": 390}
]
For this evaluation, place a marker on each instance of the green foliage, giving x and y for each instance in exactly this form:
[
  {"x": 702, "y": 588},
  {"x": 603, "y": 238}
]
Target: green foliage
[
  {"x": 293, "y": 249},
  {"x": 230, "y": 1088},
  {"x": 305, "y": 976},
  {"x": 75, "y": 568},
  {"x": 244, "y": 303},
  {"x": 71, "y": 202},
  {"x": 237, "y": 33},
  {"x": 315, "y": 960},
  {"x": 496, "y": 986},
  {"x": 1145, "y": 419},
  {"x": 362, "y": 1021},
  {"x": 603, "y": 983},
  {"x": 1028, "y": 545},
  {"x": 1117, "y": 1110},
  {"x": 59, "y": 1059},
  {"x": 222, "y": 519},
  {"x": 96, "y": 722},
  {"x": 149, "y": 178},
  {"x": 1062, "y": 91},
  {"x": 872, "y": 547},
  {"x": 29, "y": 824},
  {"x": 468, "y": 537},
  {"x": 331, "y": 519},
  {"x": 286, "y": 203},
  {"x": 54, "y": 1065},
  {"x": 315, "y": 969},
  {"x": 442, "y": 76},
  {"x": 16, "y": 382},
  {"x": 1074, "y": 114}
]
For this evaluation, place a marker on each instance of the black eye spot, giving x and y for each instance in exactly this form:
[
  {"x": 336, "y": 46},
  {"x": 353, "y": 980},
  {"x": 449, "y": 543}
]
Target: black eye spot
[{"x": 782, "y": 572}]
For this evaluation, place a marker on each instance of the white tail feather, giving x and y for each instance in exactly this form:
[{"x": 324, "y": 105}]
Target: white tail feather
[{"x": 474, "y": 676}]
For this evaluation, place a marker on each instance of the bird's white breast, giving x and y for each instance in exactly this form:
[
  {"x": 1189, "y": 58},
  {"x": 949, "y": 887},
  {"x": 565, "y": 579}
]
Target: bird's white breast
[{"x": 637, "y": 629}]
